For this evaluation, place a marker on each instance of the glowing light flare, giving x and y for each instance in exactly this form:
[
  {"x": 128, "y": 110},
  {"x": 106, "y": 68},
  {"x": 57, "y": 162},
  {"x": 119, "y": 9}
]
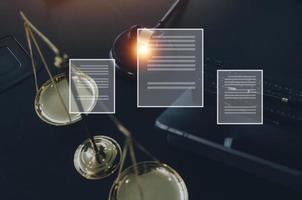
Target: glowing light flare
[{"x": 143, "y": 49}]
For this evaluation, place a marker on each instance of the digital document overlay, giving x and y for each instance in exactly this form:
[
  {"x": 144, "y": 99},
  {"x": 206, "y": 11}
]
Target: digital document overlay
[
  {"x": 170, "y": 67},
  {"x": 239, "y": 96},
  {"x": 92, "y": 86}
]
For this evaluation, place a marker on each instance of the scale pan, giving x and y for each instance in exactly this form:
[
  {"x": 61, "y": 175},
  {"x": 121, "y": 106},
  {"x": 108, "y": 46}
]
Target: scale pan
[
  {"x": 49, "y": 107},
  {"x": 97, "y": 166},
  {"x": 154, "y": 181}
]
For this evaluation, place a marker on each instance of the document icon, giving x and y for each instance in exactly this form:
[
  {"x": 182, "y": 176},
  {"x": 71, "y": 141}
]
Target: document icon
[
  {"x": 92, "y": 86},
  {"x": 169, "y": 65},
  {"x": 239, "y": 96}
]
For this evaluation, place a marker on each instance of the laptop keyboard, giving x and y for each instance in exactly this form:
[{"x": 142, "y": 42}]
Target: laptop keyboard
[{"x": 282, "y": 104}]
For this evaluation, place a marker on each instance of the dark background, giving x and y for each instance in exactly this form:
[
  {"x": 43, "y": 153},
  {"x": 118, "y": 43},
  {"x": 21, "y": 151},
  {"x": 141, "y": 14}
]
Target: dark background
[{"x": 36, "y": 159}]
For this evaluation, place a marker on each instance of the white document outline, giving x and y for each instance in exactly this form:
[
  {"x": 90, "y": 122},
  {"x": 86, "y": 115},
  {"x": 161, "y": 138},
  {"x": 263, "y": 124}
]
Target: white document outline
[
  {"x": 69, "y": 90},
  {"x": 217, "y": 92},
  {"x": 202, "y": 68}
]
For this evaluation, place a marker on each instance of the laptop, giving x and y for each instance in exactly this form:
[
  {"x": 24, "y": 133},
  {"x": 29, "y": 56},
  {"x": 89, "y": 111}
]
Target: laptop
[{"x": 272, "y": 150}]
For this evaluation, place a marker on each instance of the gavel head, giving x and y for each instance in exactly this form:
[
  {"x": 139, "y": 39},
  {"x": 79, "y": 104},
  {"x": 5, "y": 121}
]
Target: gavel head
[{"x": 125, "y": 49}]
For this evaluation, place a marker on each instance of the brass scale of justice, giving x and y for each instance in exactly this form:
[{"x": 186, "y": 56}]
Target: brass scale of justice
[{"x": 99, "y": 156}]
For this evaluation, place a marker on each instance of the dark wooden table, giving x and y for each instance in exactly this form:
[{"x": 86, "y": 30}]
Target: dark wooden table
[{"x": 36, "y": 159}]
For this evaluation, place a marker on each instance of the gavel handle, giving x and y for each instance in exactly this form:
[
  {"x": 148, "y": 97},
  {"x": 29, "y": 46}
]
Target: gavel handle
[{"x": 161, "y": 23}]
